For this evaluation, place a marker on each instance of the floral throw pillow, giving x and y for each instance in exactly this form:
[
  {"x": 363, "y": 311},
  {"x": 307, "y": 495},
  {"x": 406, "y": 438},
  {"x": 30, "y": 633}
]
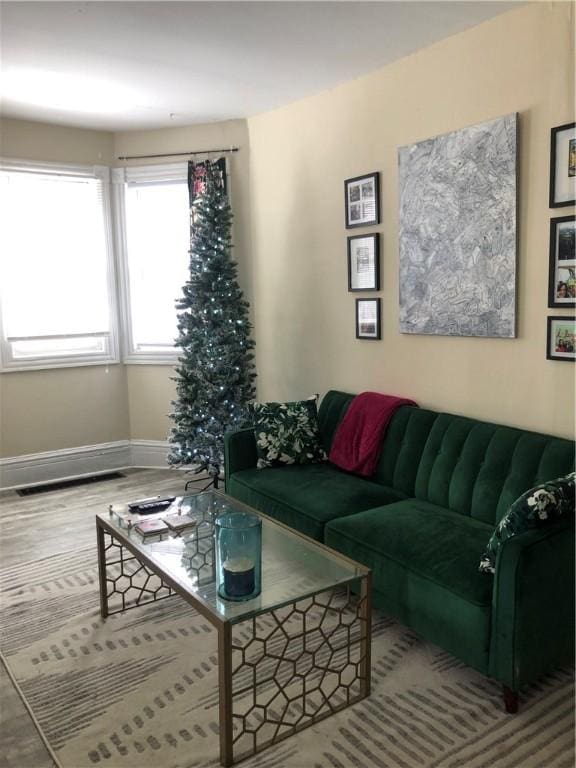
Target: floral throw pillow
[
  {"x": 535, "y": 508},
  {"x": 287, "y": 433}
]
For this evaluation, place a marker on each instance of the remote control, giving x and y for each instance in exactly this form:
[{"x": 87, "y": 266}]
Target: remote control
[{"x": 149, "y": 506}]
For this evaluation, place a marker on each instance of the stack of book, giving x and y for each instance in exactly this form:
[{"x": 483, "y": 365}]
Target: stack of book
[
  {"x": 165, "y": 516},
  {"x": 173, "y": 523}
]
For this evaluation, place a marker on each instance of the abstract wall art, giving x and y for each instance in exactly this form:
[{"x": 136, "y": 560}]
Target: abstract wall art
[{"x": 458, "y": 232}]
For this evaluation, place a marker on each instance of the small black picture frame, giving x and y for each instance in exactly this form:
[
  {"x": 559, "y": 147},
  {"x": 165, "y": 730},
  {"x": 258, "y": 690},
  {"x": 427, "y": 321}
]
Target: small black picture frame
[
  {"x": 563, "y": 165},
  {"x": 368, "y": 319},
  {"x": 562, "y": 262},
  {"x": 362, "y": 200},
  {"x": 364, "y": 262},
  {"x": 561, "y": 338}
]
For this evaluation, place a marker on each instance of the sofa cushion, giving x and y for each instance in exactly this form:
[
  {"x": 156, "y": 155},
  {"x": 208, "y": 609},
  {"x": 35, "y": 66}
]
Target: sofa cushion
[
  {"x": 287, "y": 433},
  {"x": 539, "y": 506},
  {"x": 439, "y": 544},
  {"x": 424, "y": 561},
  {"x": 307, "y": 496}
]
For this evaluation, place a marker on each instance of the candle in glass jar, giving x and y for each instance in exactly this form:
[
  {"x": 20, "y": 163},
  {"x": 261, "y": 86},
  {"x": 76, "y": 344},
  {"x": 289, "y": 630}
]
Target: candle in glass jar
[{"x": 238, "y": 576}]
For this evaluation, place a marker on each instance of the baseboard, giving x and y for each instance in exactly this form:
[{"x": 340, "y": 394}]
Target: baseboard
[
  {"x": 149, "y": 453},
  {"x": 37, "y": 468}
]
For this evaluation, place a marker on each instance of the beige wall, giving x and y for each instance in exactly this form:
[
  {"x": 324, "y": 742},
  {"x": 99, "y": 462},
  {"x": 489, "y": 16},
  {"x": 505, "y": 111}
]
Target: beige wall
[
  {"x": 150, "y": 391},
  {"x": 521, "y": 61},
  {"x": 66, "y": 407},
  {"x": 27, "y": 140},
  {"x": 150, "y": 387},
  {"x": 63, "y": 408}
]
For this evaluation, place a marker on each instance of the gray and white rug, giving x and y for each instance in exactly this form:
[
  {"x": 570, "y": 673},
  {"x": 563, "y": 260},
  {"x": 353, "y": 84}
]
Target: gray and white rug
[{"x": 139, "y": 690}]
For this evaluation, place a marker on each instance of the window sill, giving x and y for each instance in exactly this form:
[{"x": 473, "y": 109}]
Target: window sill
[
  {"x": 17, "y": 367},
  {"x": 157, "y": 357},
  {"x": 150, "y": 361}
]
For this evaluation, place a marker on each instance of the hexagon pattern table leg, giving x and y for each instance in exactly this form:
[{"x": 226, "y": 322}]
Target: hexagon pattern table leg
[
  {"x": 125, "y": 581},
  {"x": 296, "y": 665}
]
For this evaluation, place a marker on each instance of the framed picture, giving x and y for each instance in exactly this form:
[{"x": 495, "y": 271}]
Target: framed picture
[
  {"x": 362, "y": 200},
  {"x": 563, "y": 165},
  {"x": 364, "y": 263},
  {"x": 562, "y": 269},
  {"x": 367, "y": 318},
  {"x": 561, "y": 338}
]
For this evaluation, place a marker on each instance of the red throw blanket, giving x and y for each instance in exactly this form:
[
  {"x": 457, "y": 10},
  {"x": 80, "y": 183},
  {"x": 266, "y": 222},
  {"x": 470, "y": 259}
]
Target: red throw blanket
[{"x": 356, "y": 444}]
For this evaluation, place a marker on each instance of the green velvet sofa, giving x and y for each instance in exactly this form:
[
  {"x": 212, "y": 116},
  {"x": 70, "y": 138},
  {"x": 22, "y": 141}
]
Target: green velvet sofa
[{"x": 422, "y": 522}]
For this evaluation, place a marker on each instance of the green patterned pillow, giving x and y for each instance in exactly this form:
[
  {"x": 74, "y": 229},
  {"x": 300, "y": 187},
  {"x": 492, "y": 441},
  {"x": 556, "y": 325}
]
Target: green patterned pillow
[
  {"x": 535, "y": 508},
  {"x": 287, "y": 433}
]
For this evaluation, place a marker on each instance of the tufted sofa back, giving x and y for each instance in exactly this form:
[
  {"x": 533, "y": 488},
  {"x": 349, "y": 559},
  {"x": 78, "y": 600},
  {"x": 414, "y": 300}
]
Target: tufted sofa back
[
  {"x": 472, "y": 467},
  {"x": 479, "y": 469},
  {"x": 330, "y": 413}
]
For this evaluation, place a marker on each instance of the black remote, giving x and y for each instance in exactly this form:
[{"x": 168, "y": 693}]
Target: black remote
[{"x": 149, "y": 506}]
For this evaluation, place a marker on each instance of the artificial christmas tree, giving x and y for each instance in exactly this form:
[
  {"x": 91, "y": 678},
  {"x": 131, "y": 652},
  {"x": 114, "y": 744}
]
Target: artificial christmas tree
[{"x": 215, "y": 374}]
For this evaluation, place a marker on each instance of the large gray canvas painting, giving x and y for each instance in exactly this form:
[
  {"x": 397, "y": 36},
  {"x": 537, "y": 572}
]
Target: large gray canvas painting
[{"x": 458, "y": 232}]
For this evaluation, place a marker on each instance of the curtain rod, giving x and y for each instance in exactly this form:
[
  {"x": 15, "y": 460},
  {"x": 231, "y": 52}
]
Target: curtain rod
[{"x": 178, "y": 154}]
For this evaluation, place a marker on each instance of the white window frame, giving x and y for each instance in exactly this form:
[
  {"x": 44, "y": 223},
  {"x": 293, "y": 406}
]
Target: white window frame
[
  {"x": 131, "y": 354},
  {"x": 8, "y": 362}
]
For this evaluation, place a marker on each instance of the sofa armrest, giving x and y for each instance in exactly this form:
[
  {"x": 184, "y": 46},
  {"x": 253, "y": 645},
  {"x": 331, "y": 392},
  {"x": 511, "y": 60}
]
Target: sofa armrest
[
  {"x": 533, "y": 605},
  {"x": 239, "y": 451}
]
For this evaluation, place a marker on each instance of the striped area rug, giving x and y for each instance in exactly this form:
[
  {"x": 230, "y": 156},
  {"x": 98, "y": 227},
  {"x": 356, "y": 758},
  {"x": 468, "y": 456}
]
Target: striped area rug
[{"x": 139, "y": 690}]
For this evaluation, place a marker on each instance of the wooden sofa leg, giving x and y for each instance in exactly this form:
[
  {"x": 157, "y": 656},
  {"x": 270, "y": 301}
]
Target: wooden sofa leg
[{"x": 510, "y": 700}]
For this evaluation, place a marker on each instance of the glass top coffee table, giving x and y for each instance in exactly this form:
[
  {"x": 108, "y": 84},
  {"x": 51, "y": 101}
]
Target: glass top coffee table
[{"x": 303, "y": 642}]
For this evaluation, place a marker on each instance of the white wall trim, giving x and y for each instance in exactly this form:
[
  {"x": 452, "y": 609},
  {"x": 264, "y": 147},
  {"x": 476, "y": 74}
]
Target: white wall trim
[
  {"x": 67, "y": 463},
  {"x": 149, "y": 453}
]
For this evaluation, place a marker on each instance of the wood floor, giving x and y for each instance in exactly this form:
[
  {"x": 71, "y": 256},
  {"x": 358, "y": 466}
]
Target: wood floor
[{"x": 50, "y": 523}]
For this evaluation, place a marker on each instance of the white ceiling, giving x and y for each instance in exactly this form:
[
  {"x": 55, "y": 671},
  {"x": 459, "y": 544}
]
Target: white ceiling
[{"x": 130, "y": 65}]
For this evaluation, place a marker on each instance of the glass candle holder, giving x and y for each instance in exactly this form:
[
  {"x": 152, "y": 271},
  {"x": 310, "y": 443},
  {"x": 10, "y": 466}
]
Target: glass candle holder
[{"x": 238, "y": 555}]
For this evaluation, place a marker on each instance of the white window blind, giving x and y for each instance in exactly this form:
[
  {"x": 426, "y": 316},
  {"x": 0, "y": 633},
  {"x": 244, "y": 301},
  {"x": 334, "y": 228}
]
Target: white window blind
[
  {"x": 154, "y": 241},
  {"x": 56, "y": 273}
]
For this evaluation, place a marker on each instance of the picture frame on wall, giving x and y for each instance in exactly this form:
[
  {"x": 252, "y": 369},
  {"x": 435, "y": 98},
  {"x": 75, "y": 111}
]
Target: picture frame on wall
[
  {"x": 362, "y": 200},
  {"x": 561, "y": 338},
  {"x": 368, "y": 319},
  {"x": 563, "y": 165},
  {"x": 364, "y": 263},
  {"x": 562, "y": 265}
]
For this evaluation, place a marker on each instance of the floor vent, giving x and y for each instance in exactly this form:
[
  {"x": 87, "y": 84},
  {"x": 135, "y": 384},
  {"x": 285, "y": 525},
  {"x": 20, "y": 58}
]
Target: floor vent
[{"x": 48, "y": 487}]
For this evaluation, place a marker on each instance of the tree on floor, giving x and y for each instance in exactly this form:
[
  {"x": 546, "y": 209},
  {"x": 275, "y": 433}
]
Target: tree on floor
[{"x": 215, "y": 374}]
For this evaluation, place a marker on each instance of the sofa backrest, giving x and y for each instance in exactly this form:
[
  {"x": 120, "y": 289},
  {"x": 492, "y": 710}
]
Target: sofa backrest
[
  {"x": 330, "y": 413},
  {"x": 478, "y": 468},
  {"x": 472, "y": 467},
  {"x": 403, "y": 447}
]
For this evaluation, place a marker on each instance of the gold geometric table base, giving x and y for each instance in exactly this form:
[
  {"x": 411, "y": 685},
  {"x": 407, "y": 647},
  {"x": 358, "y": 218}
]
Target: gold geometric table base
[
  {"x": 280, "y": 671},
  {"x": 293, "y": 666},
  {"x": 130, "y": 583}
]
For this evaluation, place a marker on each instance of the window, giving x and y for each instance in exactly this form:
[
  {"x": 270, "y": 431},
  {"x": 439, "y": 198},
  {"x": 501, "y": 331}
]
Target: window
[
  {"x": 56, "y": 266},
  {"x": 154, "y": 239}
]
